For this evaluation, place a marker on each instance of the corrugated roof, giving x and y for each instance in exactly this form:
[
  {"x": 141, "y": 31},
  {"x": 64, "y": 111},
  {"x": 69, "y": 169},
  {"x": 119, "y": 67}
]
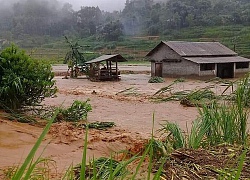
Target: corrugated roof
[
  {"x": 113, "y": 57},
  {"x": 202, "y": 60},
  {"x": 199, "y": 48}
]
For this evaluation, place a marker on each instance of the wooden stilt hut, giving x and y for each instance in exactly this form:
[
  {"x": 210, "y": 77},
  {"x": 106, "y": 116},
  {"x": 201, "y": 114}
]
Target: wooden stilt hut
[{"x": 105, "y": 68}]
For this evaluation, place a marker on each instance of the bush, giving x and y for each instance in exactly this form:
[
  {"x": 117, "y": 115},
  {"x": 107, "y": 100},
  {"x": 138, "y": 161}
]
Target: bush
[
  {"x": 77, "y": 111},
  {"x": 156, "y": 79},
  {"x": 23, "y": 81}
]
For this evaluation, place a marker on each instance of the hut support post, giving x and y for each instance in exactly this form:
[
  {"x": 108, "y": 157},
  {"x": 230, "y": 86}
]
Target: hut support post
[
  {"x": 110, "y": 69},
  {"x": 116, "y": 69}
]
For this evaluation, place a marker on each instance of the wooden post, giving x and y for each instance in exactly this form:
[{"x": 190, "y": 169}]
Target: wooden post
[
  {"x": 116, "y": 68},
  {"x": 110, "y": 69}
]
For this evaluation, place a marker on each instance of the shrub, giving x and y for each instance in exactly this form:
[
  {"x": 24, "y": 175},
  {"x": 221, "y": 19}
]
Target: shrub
[
  {"x": 23, "y": 81},
  {"x": 156, "y": 79},
  {"x": 77, "y": 111}
]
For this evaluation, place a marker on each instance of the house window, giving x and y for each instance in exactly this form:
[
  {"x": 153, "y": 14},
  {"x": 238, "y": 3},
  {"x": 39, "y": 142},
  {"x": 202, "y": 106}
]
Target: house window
[
  {"x": 242, "y": 65},
  {"x": 206, "y": 67}
]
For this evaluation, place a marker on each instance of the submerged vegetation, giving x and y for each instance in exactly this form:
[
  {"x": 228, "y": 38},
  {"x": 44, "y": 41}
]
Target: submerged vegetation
[
  {"x": 77, "y": 111},
  {"x": 190, "y": 98},
  {"x": 156, "y": 79}
]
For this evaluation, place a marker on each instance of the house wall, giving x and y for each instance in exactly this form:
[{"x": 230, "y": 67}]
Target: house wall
[
  {"x": 152, "y": 68},
  {"x": 184, "y": 68},
  {"x": 208, "y": 73},
  {"x": 164, "y": 52},
  {"x": 240, "y": 71}
]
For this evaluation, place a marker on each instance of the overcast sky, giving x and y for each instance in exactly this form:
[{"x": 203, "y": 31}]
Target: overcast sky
[{"x": 107, "y": 5}]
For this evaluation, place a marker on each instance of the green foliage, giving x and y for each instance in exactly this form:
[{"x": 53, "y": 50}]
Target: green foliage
[
  {"x": 191, "y": 98},
  {"x": 174, "y": 135},
  {"x": 98, "y": 47},
  {"x": 112, "y": 31},
  {"x": 111, "y": 46},
  {"x": 100, "y": 125},
  {"x": 156, "y": 79},
  {"x": 74, "y": 58},
  {"x": 159, "y": 148},
  {"x": 77, "y": 111},
  {"x": 23, "y": 81},
  {"x": 199, "y": 97},
  {"x": 216, "y": 124},
  {"x": 242, "y": 93},
  {"x": 198, "y": 133},
  {"x": 23, "y": 118},
  {"x": 227, "y": 123},
  {"x": 84, "y": 156},
  {"x": 104, "y": 169},
  {"x": 179, "y": 80}
]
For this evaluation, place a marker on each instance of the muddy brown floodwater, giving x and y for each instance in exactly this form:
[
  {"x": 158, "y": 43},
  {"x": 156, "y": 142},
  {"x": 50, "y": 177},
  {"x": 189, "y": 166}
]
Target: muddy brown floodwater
[{"x": 125, "y": 102}]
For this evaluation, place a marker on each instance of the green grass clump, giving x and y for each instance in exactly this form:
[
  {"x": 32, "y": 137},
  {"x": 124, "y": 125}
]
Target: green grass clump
[
  {"x": 77, "y": 111},
  {"x": 156, "y": 79},
  {"x": 101, "y": 168},
  {"x": 217, "y": 123},
  {"x": 174, "y": 135},
  {"x": 100, "y": 125},
  {"x": 242, "y": 94}
]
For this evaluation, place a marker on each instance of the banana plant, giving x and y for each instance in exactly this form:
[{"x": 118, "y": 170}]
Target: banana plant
[{"x": 75, "y": 59}]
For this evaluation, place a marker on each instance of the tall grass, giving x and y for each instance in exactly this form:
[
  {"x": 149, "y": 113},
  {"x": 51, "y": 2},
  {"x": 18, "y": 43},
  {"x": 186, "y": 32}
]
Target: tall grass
[
  {"x": 84, "y": 156},
  {"x": 225, "y": 123},
  {"x": 175, "y": 134},
  {"x": 217, "y": 123},
  {"x": 229, "y": 120},
  {"x": 197, "y": 134}
]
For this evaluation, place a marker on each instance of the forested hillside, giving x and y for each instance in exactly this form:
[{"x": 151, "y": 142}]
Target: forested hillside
[
  {"x": 42, "y": 17},
  {"x": 173, "y": 19}
]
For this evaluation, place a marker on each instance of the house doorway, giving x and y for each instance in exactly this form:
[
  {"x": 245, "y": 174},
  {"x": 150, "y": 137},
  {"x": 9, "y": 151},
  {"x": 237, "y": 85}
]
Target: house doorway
[
  {"x": 225, "y": 70},
  {"x": 158, "y": 69}
]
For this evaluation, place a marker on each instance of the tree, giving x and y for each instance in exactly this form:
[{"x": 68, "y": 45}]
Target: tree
[
  {"x": 23, "y": 81},
  {"x": 88, "y": 18},
  {"x": 112, "y": 31}
]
